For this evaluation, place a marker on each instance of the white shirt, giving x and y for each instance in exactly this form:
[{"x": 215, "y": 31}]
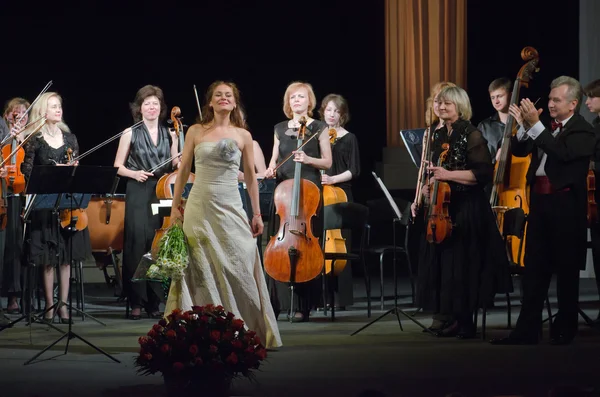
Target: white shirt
[{"x": 533, "y": 133}]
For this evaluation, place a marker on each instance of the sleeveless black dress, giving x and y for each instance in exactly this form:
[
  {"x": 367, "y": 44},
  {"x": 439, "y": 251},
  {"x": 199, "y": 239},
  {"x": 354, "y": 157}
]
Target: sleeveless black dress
[
  {"x": 140, "y": 224},
  {"x": 307, "y": 294}
]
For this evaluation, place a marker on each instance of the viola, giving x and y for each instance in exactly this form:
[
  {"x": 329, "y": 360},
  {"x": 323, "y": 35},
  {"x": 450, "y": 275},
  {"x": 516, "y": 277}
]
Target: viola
[
  {"x": 294, "y": 255},
  {"x": 164, "y": 189},
  {"x": 439, "y": 223},
  {"x": 510, "y": 173},
  {"x": 592, "y": 209},
  {"x": 76, "y": 219}
]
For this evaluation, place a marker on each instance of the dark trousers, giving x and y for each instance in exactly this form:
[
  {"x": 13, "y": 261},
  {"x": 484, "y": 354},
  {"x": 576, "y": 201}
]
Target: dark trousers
[
  {"x": 595, "y": 235},
  {"x": 555, "y": 244}
]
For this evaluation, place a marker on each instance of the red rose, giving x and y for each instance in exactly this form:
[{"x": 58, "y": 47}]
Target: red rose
[
  {"x": 256, "y": 340},
  {"x": 197, "y": 309},
  {"x": 143, "y": 340},
  {"x": 209, "y": 308},
  {"x": 198, "y": 361},
  {"x": 213, "y": 349},
  {"x": 147, "y": 356},
  {"x": 237, "y": 344},
  {"x": 204, "y": 319},
  {"x": 237, "y": 324},
  {"x": 220, "y": 320},
  {"x": 230, "y": 315},
  {"x": 215, "y": 335},
  {"x": 177, "y": 366},
  {"x": 261, "y": 354},
  {"x": 250, "y": 349},
  {"x": 152, "y": 333},
  {"x": 171, "y": 334},
  {"x": 165, "y": 348},
  {"x": 186, "y": 316},
  {"x": 150, "y": 342},
  {"x": 193, "y": 350},
  {"x": 162, "y": 323},
  {"x": 157, "y": 327},
  {"x": 182, "y": 329},
  {"x": 228, "y": 335},
  {"x": 219, "y": 309},
  {"x": 232, "y": 358}
]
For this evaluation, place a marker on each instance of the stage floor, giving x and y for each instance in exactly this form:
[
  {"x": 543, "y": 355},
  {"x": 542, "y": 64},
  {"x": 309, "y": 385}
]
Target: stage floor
[{"x": 318, "y": 358}]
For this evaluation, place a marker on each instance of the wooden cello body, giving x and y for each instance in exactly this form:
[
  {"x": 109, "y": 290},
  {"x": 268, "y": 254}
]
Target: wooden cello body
[
  {"x": 294, "y": 255},
  {"x": 510, "y": 188},
  {"x": 334, "y": 241}
]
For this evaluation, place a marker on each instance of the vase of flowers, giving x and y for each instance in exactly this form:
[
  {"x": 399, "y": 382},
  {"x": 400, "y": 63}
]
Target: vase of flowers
[{"x": 200, "y": 351}]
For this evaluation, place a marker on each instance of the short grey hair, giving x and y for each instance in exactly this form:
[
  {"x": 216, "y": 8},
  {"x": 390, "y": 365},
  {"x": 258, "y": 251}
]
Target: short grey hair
[
  {"x": 574, "y": 89},
  {"x": 458, "y": 97}
]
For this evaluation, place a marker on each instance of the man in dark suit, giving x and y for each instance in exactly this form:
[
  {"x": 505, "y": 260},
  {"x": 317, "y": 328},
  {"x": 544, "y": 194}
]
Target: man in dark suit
[
  {"x": 592, "y": 91},
  {"x": 557, "y": 224}
]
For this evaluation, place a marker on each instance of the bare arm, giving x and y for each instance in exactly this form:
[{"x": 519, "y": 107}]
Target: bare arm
[
  {"x": 273, "y": 163},
  {"x": 174, "y": 148},
  {"x": 251, "y": 183},
  {"x": 259, "y": 160},
  {"x": 185, "y": 168}
]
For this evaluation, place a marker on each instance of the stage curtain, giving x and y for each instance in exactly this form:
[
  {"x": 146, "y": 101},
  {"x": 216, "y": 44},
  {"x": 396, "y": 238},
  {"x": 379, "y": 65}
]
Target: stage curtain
[{"x": 426, "y": 42}]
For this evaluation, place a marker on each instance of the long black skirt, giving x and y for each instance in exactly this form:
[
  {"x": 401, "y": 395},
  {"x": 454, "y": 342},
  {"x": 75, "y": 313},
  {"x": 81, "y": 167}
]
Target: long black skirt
[
  {"x": 13, "y": 250},
  {"x": 140, "y": 228},
  {"x": 465, "y": 271}
]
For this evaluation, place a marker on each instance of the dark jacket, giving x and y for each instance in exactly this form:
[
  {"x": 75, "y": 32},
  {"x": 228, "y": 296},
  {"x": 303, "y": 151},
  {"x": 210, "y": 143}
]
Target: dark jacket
[
  {"x": 568, "y": 154},
  {"x": 492, "y": 130}
]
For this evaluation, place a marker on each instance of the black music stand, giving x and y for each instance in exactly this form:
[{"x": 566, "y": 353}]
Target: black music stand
[
  {"x": 395, "y": 310},
  {"x": 69, "y": 180}
]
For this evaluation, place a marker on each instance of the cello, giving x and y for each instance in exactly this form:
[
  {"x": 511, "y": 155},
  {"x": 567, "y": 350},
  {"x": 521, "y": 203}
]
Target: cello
[
  {"x": 334, "y": 241},
  {"x": 164, "y": 185},
  {"x": 510, "y": 173},
  {"x": 294, "y": 255}
]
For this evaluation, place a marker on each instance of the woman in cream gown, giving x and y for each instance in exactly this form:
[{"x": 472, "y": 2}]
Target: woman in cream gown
[{"x": 225, "y": 267}]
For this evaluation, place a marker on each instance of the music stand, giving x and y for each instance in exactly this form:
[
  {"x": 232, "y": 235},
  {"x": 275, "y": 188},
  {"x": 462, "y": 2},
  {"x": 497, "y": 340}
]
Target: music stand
[
  {"x": 70, "y": 180},
  {"x": 395, "y": 310}
]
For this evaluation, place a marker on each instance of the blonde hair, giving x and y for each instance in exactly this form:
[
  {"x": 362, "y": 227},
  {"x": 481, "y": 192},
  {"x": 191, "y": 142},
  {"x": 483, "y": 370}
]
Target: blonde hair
[
  {"x": 12, "y": 104},
  {"x": 435, "y": 90},
  {"x": 460, "y": 99},
  {"x": 39, "y": 110},
  {"x": 312, "y": 100}
]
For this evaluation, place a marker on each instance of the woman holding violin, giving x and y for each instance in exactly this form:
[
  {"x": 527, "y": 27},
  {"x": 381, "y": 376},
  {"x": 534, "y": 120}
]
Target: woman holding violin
[
  {"x": 142, "y": 149},
  {"x": 299, "y": 101},
  {"x": 47, "y": 246},
  {"x": 344, "y": 169},
  {"x": 16, "y": 118},
  {"x": 225, "y": 267},
  {"x": 464, "y": 255}
]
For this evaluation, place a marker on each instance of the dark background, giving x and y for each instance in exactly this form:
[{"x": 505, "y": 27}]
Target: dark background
[{"x": 99, "y": 55}]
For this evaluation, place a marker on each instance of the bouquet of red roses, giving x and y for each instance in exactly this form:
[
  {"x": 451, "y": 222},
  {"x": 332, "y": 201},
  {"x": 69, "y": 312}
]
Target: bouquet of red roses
[{"x": 204, "y": 341}]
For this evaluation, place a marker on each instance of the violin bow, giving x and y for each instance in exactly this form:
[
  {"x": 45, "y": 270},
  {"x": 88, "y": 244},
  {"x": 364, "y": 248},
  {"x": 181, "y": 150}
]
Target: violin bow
[
  {"x": 106, "y": 142},
  {"x": 198, "y": 102}
]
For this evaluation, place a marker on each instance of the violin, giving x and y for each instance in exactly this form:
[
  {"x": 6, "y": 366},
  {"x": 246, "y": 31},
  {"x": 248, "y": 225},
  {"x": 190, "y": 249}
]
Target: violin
[
  {"x": 294, "y": 255},
  {"x": 592, "y": 209},
  {"x": 76, "y": 219},
  {"x": 15, "y": 179},
  {"x": 439, "y": 223},
  {"x": 164, "y": 190}
]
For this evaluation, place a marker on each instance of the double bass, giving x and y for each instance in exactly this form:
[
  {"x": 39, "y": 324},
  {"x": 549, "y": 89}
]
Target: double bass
[
  {"x": 294, "y": 255},
  {"x": 164, "y": 185},
  {"x": 510, "y": 173},
  {"x": 334, "y": 241}
]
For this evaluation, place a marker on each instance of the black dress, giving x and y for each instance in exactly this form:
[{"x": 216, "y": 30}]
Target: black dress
[
  {"x": 47, "y": 243},
  {"x": 345, "y": 157},
  {"x": 466, "y": 270},
  {"x": 140, "y": 224},
  {"x": 306, "y": 294}
]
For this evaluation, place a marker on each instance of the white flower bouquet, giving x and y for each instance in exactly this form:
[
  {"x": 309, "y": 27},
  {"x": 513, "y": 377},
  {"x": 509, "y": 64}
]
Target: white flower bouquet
[{"x": 172, "y": 257}]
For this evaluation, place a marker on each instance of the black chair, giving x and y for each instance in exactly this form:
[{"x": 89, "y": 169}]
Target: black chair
[
  {"x": 352, "y": 217},
  {"x": 385, "y": 219}
]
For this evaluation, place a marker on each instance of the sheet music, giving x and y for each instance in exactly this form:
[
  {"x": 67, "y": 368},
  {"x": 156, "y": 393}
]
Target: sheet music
[
  {"x": 162, "y": 203},
  {"x": 388, "y": 196}
]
